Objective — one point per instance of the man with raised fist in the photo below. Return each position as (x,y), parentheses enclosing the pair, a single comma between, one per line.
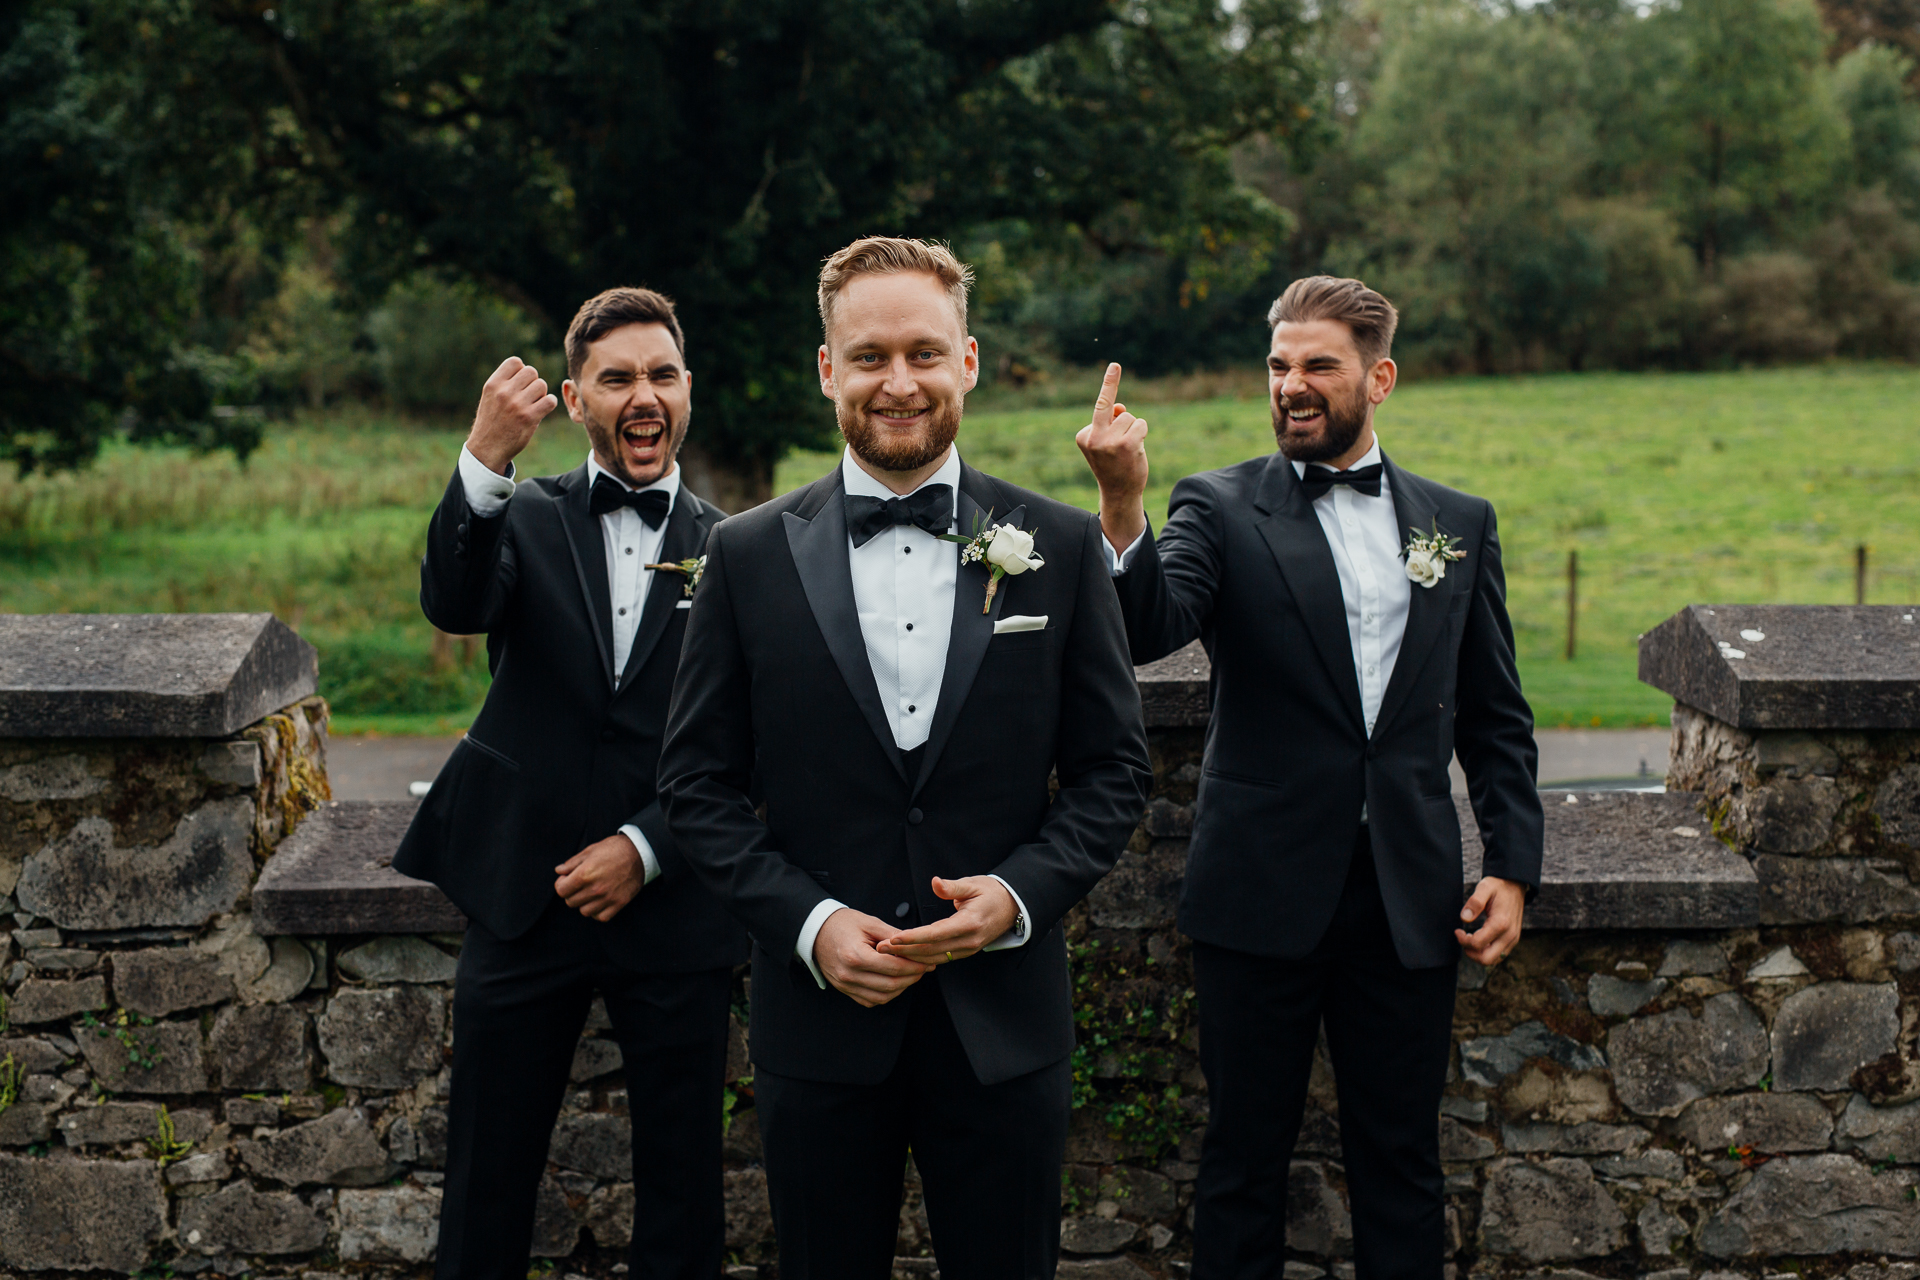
(544,827)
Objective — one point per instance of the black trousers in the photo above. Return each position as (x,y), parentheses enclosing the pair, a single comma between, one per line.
(519,1008)
(1389,1029)
(989,1158)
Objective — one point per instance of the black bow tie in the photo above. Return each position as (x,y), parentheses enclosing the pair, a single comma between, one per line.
(609,494)
(1362,480)
(931,508)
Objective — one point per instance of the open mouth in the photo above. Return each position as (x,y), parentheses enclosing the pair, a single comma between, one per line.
(900,415)
(1306,414)
(644,438)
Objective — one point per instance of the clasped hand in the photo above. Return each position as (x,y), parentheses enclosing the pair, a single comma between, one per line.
(871,962)
(601,879)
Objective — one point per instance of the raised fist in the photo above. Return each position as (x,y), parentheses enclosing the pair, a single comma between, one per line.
(512,405)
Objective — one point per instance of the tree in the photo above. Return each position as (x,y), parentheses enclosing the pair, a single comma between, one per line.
(718,149)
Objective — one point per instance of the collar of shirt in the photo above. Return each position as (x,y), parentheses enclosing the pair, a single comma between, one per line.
(670,482)
(860,484)
(1367,459)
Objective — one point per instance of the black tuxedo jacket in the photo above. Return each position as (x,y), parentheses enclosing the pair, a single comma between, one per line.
(561,755)
(775,685)
(1244,564)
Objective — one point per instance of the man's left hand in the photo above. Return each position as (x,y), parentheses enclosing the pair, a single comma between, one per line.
(602,878)
(1502,902)
(982,911)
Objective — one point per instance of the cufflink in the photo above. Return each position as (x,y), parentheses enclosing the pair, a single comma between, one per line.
(1020,923)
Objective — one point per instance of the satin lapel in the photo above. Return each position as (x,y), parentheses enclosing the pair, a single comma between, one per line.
(819,548)
(681,542)
(972,629)
(589,562)
(1299,546)
(1414,509)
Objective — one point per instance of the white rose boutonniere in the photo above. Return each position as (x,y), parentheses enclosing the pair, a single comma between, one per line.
(1428,555)
(1002,548)
(689,571)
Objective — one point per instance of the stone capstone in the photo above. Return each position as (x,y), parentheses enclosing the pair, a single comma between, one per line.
(1666,1060)
(1611,997)
(1491,1059)
(239,1220)
(55,1000)
(1792,815)
(1553,1211)
(595,1143)
(85,880)
(53,778)
(397,959)
(147,675)
(79,1215)
(163,980)
(1317,1218)
(262,1047)
(393,1224)
(1767,1122)
(1879,1133)
(334,874)
(1897,805)
(382,1038)
(339,1148)
(1800,1205)
(162,1058)
(1824,1033)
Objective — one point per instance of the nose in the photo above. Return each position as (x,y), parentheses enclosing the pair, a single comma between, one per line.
(900,383)
(1292,384)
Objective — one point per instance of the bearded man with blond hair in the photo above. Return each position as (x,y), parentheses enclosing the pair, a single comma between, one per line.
(901,701)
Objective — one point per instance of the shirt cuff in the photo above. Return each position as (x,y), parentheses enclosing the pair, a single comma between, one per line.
(1022,926)
(647,857)
(811,931)
(487,490)
(1117,562)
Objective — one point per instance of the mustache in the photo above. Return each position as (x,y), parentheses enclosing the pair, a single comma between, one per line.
(1309,400)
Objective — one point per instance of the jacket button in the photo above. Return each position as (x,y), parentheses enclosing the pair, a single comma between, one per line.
(900,912)
(914,816)
(608,735)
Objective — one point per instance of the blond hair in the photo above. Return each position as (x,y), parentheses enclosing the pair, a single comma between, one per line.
(1368,316)
(887,255)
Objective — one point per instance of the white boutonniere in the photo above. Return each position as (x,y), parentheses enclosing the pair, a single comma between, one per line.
(1003,548)
(689,570)
(1428,554)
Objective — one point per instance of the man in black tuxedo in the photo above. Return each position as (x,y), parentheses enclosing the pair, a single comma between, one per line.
(906,885)
(1324,876)
(544,826)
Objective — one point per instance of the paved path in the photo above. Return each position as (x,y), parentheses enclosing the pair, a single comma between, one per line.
(382,768)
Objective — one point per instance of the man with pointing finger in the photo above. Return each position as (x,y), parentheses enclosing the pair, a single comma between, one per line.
(544,826)
(1355,614)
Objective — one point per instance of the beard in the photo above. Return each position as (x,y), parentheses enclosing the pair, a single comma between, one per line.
(1341,429)
(889,451)
(608,446)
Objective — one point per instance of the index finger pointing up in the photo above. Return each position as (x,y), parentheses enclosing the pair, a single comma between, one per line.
(1109,391)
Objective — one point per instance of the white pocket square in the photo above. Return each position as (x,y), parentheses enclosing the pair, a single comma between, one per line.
(684,604)
(1019,622)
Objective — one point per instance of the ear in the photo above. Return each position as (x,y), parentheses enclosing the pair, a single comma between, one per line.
(827,388)
(571,394)
(970,366)
(1381,379)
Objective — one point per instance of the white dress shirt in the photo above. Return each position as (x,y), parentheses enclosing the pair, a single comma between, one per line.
(904,580)
(630,545)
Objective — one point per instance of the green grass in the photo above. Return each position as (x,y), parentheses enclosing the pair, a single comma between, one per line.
(1737,487)
(1750,487)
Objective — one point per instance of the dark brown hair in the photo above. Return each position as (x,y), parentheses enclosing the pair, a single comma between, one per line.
(885,255)
(604,312)
(1368,316)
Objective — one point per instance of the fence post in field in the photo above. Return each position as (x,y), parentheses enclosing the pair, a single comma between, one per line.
(1860,574)
(1573,600)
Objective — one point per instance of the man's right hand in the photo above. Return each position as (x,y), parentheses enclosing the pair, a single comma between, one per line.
(512,405)
(1115,445)
(844,950)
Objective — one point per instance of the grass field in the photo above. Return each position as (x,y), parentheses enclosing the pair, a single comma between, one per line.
(1673,488)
